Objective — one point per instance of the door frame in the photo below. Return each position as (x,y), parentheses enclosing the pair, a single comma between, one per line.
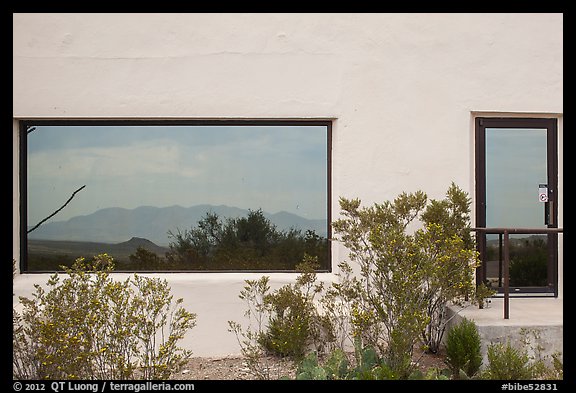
(551,124)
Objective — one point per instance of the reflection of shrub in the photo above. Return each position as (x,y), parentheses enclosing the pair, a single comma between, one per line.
(250,242)
(528,260)
(39,262)
(529,271)
(144,259)
(528,264)
(89,326)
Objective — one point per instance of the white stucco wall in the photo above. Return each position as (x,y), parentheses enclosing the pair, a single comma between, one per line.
(402,91)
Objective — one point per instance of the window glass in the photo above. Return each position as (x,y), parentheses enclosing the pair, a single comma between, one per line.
(195,196)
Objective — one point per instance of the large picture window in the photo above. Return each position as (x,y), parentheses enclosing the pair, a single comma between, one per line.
(176,195)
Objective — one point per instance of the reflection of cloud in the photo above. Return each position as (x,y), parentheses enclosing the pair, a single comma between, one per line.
(515,164)
(249,167)
(145,158)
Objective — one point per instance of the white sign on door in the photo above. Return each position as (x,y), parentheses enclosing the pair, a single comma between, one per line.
(543,192)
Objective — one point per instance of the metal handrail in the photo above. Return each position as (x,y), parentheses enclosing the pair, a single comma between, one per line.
(506,232)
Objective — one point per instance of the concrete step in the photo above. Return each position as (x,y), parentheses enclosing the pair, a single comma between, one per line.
(538,320)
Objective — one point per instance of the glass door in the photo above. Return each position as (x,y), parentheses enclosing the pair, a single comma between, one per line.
(516,188)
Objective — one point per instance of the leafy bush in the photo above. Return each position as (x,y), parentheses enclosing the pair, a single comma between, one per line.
(290,327)
(285,322)
(295,325)
(89,326)
(396,295)
(507,362)
(463,349)
(292,322)
(523,362)
(406,277)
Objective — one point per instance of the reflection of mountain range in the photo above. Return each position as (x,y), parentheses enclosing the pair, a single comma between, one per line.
(114,224)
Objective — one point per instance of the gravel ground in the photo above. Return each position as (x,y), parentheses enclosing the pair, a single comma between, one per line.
(236,368)
(232,368)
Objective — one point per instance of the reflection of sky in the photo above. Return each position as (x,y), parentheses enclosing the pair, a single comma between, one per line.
(276,168)
(515,166)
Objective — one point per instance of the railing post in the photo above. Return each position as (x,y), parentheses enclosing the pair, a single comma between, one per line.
(500,259)
(506,267)
(506,275)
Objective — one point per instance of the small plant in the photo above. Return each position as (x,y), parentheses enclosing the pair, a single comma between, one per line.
(482,294)
(290,327)
(557,369)
(285,322)
(525,362)
(253,295)
(368,366)
(543,366)
(310,369)
(294,324)
(507,362)
(89,326)
(463,349)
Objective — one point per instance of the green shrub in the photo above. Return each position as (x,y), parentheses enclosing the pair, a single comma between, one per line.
(89,326)
(285,322)
(406,277)
(396,294)
(542,366)
(463,349)
(290,326)
(526,361)
(507,362)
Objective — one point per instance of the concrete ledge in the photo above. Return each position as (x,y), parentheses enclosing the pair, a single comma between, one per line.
(212,296)
(539,320)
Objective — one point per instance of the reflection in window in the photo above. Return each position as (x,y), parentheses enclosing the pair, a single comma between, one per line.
(516,163)
(178,196)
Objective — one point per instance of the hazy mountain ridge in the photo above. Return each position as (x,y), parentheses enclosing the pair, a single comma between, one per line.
(115,224)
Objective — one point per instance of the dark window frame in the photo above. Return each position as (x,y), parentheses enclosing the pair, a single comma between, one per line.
(23,157)
(551,124)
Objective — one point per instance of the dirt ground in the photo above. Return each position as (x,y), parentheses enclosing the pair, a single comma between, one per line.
(236,368)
